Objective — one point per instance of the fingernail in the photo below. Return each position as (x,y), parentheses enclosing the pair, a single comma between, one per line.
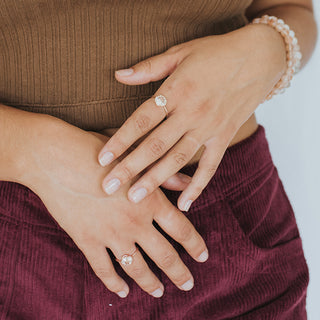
(187,286)
(106,158)
(112,186)
(124,72)
(122,294)
(203,256)
(157,293)
(138,195)
(187,205)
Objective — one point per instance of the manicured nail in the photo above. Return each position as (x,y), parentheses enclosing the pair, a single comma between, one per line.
(187,286)
(112,186)
(122,294)
(138,195)
(203,256)
(157,293)
(187,205)
(106,158)
(124,72)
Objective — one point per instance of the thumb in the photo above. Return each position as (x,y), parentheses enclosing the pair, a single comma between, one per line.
(151,69)
(177,182)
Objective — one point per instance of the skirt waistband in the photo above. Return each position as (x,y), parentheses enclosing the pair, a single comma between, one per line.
(241,163)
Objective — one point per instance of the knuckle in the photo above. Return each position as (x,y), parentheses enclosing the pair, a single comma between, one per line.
(195,144)
(127,172)
(168,260)
(117,141)
(212,170)
(171,85)
(181,278)
(104,273)
(157,146)
(151,182)
(142,123)
(185,231)
(180,158)
(147,65)
(138,272)
(209,171)
(188,87)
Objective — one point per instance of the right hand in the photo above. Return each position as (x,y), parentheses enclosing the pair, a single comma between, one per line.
(63,171)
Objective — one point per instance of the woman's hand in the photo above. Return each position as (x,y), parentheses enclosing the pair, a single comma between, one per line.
(63,171)
(215,83)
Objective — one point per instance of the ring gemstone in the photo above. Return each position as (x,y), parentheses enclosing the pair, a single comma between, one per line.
(126,259)
(160,100)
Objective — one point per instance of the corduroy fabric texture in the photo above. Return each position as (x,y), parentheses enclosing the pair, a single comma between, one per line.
(256,269)
(59,57)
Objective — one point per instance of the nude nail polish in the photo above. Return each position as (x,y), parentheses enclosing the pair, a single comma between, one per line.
(112,186)
(203,256)
(138,194)
(106,158)
(124,72)
(122,294)
(157,293)
(187,205)
(187,285)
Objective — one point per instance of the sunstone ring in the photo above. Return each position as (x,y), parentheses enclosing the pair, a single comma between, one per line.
(161,101)
(127,259)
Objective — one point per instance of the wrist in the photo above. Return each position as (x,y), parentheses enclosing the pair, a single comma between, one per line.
(19,131)
(270,44)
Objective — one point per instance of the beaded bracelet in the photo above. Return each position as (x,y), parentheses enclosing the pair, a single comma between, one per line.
(293,52)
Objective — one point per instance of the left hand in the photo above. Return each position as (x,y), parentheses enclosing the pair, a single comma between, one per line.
(215,83)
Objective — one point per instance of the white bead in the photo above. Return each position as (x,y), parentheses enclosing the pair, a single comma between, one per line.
(293,54)
(291,33)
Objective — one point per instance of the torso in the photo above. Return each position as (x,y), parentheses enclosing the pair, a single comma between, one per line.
(59,57)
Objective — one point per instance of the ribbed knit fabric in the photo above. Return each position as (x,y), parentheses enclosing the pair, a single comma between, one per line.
(256,269)
(59,57)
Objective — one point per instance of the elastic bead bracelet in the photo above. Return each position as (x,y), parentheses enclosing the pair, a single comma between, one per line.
(293,52)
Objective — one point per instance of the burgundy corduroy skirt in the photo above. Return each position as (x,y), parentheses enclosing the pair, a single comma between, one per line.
(256,268)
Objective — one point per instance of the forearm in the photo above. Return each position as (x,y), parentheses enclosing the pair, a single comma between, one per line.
(18,130)
(299,17)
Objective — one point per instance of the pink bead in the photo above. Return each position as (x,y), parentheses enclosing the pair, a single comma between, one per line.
(293,53)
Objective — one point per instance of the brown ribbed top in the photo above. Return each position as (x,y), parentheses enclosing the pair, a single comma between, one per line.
(59,57)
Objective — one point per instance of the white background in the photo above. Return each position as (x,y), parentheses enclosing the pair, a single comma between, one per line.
(292,127)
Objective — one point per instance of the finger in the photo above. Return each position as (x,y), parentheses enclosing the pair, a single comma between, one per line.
(171,163)
(101,264)
(207,167)
(179,227)
(150,149)
(177,182)
(142,120)
(140,272)
(167,259)
(151,69)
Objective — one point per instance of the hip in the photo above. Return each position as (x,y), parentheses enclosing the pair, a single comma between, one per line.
(256,267)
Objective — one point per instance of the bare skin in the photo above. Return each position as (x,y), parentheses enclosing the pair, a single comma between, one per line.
(63,166)
(207,111)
